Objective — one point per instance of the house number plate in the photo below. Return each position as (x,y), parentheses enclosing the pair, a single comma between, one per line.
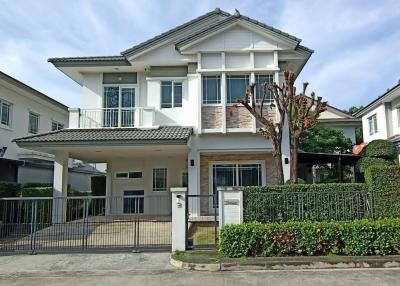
(233,202)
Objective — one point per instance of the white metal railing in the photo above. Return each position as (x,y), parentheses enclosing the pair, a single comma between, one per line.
(113,117)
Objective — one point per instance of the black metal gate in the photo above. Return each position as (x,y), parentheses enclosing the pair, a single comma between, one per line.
(88,224)
(201,221)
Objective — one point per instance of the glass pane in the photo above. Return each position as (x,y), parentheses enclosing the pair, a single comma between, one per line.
(33,123)
(249,174)
(177,94)
(160,179)
(128,97)
(211,90)
(5,113)
(185,179)
(260,81)
(111,94)
(236,87)
(54,126)
(166,94)
(224,176)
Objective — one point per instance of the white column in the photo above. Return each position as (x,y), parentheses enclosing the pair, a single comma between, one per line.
(223,101)
(74,114)
(108,188)
(178,219)
(230,205)
(60,183)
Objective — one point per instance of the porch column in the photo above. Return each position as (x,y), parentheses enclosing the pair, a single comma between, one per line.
(60,183)
(108,188)
(178,229)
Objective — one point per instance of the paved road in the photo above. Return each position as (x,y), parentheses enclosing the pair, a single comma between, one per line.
(153,269)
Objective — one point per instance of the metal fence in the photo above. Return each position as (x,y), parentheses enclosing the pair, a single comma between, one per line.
(309,205)
(85,223)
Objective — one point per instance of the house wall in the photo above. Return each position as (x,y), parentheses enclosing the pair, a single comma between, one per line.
(155,202)
(382,133)
(22,103)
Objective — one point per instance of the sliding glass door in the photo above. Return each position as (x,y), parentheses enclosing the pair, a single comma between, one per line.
(118,106)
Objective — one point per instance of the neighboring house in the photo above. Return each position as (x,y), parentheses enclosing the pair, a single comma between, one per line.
(162,113)
(25,111)
(381,117)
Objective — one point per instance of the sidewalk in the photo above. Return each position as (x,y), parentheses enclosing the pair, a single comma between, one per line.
(84,262)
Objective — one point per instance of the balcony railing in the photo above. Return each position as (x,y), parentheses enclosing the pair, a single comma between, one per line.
(112,117)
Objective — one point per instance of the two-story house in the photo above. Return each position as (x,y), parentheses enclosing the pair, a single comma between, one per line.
(381,117)
(162,114)
(25,111)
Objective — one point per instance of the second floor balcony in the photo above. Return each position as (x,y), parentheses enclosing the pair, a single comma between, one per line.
(138,117)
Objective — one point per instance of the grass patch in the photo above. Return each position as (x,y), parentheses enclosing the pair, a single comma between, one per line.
(204,235)
(198,256)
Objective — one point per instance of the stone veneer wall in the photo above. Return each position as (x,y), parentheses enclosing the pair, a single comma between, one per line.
(271,114)
(211,117)
(238,117)
(204,170)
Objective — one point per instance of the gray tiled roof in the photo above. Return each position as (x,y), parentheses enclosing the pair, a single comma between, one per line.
(165,134)
(88,59)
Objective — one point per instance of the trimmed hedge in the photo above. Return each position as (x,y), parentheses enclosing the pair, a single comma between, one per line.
(8,189)
(384,184)
(381,148)
(366,162)
(361,238)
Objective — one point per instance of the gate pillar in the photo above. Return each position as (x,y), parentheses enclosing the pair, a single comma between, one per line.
(230,205)
(178,230)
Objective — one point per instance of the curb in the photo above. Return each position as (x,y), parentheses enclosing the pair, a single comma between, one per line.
(293,263)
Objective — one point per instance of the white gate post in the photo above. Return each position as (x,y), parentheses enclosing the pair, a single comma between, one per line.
(60,183)
(230,205)
(178,229)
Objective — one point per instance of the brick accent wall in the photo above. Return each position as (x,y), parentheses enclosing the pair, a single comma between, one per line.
(271,114)
(238,117)
(211,117)
(204,170)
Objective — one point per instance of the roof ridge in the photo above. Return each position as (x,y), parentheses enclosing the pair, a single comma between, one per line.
(216,11)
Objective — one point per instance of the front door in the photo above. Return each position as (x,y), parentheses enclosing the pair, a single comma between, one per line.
(119,106)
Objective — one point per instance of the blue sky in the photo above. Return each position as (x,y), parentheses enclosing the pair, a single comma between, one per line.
(356,43)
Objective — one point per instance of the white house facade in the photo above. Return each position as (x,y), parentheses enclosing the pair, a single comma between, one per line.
(162,113)
(25,111)
(381,117)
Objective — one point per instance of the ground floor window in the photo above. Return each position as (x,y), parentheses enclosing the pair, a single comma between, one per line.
(160,179)
(133,202)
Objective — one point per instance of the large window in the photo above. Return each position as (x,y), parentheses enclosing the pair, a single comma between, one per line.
(236,86)
(5,113)
(56,126)
(118,104)
(160,179)
(33,126)
(261,80)
(171,94)
(373,124)
(211,89)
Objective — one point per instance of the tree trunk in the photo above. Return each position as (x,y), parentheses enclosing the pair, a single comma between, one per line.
(294,146)
(278,165)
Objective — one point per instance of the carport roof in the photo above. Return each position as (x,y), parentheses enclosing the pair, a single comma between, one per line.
(126,136)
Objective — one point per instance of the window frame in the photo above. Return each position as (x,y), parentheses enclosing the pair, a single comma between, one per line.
(219,94)
(58,125)
(173,83)
(29,122)
(128,175)
(154,178)
(120,87)
(256,77)
(183,174)
(374,120)
(10,108)
(228,76)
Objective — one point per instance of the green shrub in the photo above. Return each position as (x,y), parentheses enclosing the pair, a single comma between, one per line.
(365,162)
(305,202)
(380,148)
(98,185)
(384,184)
(299,181)
(38,185)
(8,189)
(363,237)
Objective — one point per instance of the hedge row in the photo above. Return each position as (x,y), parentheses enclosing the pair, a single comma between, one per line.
(8,189)
(306,202)
(362,237)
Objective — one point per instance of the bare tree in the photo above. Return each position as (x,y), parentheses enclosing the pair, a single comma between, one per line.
(302,114)
(271,130)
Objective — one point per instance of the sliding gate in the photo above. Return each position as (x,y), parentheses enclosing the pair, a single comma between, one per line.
(131,223)
(201,221)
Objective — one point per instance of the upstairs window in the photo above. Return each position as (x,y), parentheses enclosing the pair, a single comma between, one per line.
(236,86)
(160,179)
(171,94)
(5,113)
(261,79)
(33,126)
(373,124)
(56,126)
(212,89)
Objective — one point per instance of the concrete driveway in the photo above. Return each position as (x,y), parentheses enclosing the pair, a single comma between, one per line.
(153,269)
